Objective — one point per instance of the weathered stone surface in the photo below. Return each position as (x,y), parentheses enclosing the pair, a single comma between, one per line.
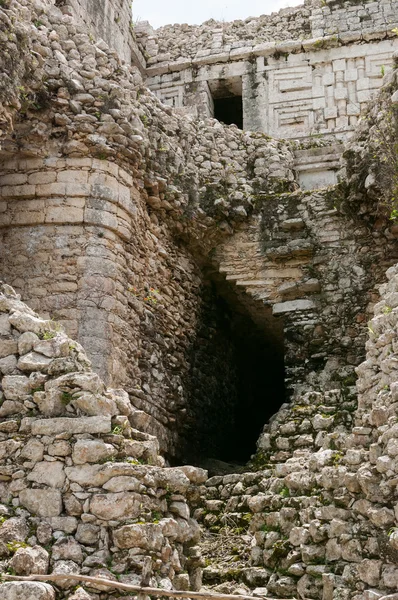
(27,561)
(116,506)
(14,530)
(72,425)
(16,387)
(67,549)
(77,233)
(42,502)
(48,473)
(94,404)
(148,537)
(33,361)
(26,590)
(92,451)
(33,450)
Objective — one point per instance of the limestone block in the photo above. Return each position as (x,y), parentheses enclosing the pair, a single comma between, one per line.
(64,214)
(33,451)
(87,533)
(92,451)
(8,448)
(353,110)
(42,502)
(16,387)
(331,112)
(364,96)
(27,561)
(48,473)
(54,347)
(116,506)
(389,577)
(67,548)
(341,94)
(66,567)
(172,479)
(33,361)
(94,404)
(42,177)
(298,536)
(66,524)
(148,536)
(89,382)
(14,529)
(26,341)
(71,425)
(26,590)
(291,306)
(180,509)
(26,322)
(18,191)
(339,64)
(8,347)
(5,325)
(124,484)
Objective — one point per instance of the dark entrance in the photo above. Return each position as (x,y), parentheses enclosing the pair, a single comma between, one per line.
(237,377)
(227,100)
(229,110)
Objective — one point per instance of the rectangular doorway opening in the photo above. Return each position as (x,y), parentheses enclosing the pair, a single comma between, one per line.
(227,99)
(229,111)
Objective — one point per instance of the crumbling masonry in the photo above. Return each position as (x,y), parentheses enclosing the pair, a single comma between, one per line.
(219,277)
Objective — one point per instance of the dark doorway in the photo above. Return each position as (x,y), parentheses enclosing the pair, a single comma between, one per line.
(229,110)
(236,379)
(227,100)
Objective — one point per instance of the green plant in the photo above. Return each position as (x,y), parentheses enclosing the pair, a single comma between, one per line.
(285,492)
(387,310)
(39,388)
(152,296)
(48,335)
(337,458)
(135,461)
(117,430)
(13,546)
(156,516)
(66,397)
(107,459)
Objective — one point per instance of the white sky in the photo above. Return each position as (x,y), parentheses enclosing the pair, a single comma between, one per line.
(163,12)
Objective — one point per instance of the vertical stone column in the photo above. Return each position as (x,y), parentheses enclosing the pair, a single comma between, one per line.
(63,228)
(255,98)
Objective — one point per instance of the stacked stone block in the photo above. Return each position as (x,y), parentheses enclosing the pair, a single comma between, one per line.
(83,490)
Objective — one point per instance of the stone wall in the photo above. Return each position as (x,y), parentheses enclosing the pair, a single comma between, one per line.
(320,523)
(110,20)
(83,489)
(114,274)
(350,20)
(305,85)
(117,214)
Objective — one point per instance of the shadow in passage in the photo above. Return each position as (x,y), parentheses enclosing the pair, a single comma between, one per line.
(236,379)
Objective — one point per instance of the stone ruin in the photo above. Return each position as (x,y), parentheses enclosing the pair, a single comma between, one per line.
(202,222)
